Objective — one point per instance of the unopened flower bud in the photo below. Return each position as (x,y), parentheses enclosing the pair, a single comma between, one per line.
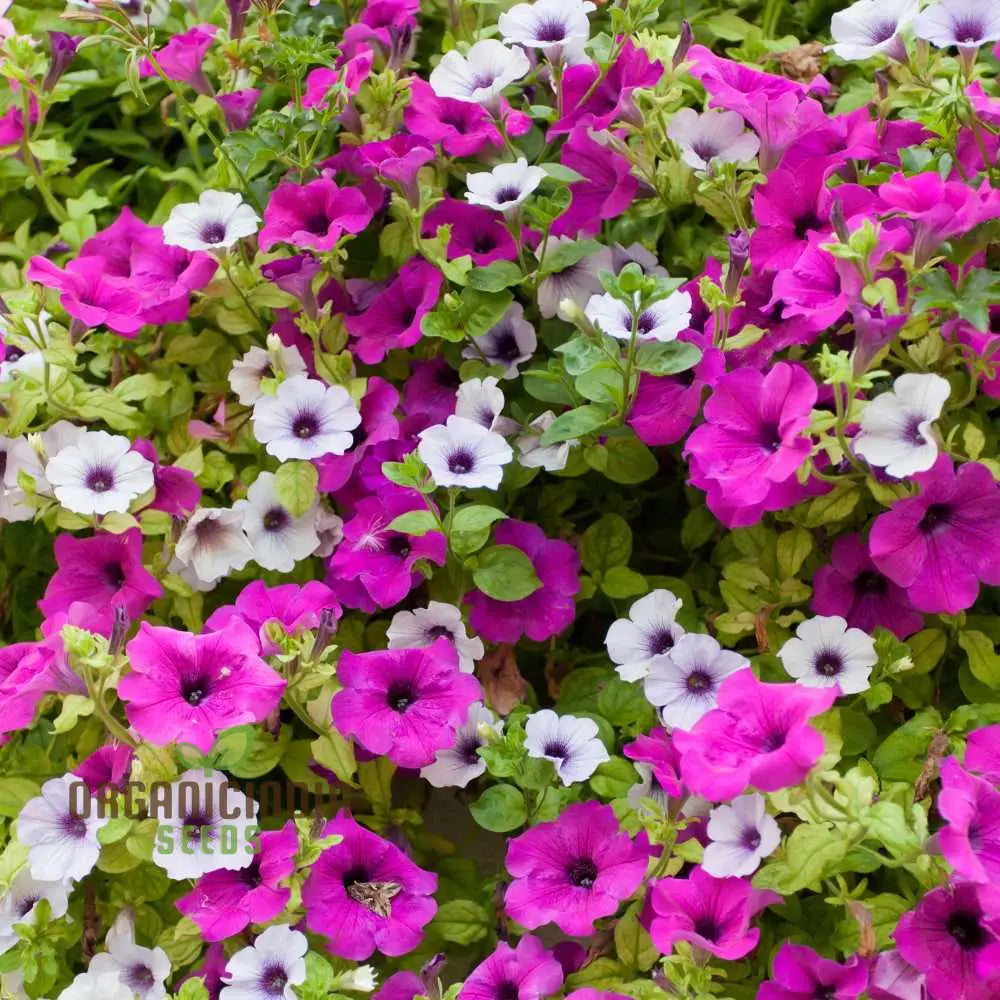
(683,43)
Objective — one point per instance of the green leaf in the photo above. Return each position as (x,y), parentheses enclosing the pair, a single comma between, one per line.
(295,486)
(811,853)
(500,809)
(566,255)
(792,548)
(983,659)
(624,460)
(575,423)
(414,522)
(461,921)
(633,944)
(614,778)
(505,573)
(620,582)
(14,793)
(606,543)
(668,358)
(475,517)
(903,753)
(496,277)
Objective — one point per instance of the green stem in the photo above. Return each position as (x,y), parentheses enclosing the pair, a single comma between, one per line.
(56,210)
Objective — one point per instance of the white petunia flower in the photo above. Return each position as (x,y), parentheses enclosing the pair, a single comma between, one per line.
(269,968)
(480,76)
(462,453)
(560,28)
(216,221)
(306,419)
(213,544)
(826,652)
(60,829)
(661,321)
(571,744)
(204,824)
(713,135)
(577,281)
(99,475)
(87,986)
(142,970)
(481,400)
(247,374)
(505,186)
(965,23)
(459,764)
(28,363)
(896,432)
(742,834)
(510,343)
(17,455)
(424,626)
(20,902)
(872,27)
(534,455)
(651,629)
(278,539)
(684,683)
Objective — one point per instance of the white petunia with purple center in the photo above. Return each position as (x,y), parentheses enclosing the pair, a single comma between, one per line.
(460,763)
(650,631)
(480,75)
(712,135)
(741,835)
(570,743)
(278,539)
(216,221)
(825,652)
(462,453)
(872,27)
(269,969)
(662,320)
(505,186)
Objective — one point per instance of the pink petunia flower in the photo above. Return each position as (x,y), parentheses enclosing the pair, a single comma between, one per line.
(548,610)
(237,107)
(970,842)
(982,752)
(527,972)
(313,215)
(223,903)
(186,688)
(475,230)
(404,703)
(941,544)
(851,586)
(105,571)
(574,870)
(182,57)
(711,913)
(177,491)
(365,895)
(107,767)
(758,736)
(801,974)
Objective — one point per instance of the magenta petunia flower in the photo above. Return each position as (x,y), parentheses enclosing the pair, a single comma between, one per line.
(941,544)
(475,230)
(313,215)
(952,937)
(574,870)
(393,319)
(431,391)
(982,752)
(107,766)
(801,974)
(374,567)
(891,977)
(104,571)
(606,191)
(758,736)
(237,107)
(970,841)
(753,431)
(186,688)
(711,913)
(401,986)
(177,491)
(549,609)
(365,895)
(404,703)
(527,972)
(851,586)
(296,609)
(223,903)
(24,668)
(181,58)
(656,751)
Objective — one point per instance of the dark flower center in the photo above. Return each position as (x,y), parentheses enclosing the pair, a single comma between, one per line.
(400,696)
(555,749)
(275,519)
(967,30)
(447,378)
(704,149)
(305,425)
(882,32)
(935,518)
(505,347)
(707,927)
(750,838)
(870,582)
(550,31)
(407,316)
(461,462)
(353,876)
(398,545)
(100,479)
(23,907)
(195,690)
(773,741)
(824,992)
(583,873)
(438,632)
(317,224)
(74,826)
(466,750)
(660,641)
(507,991)
(806,223)
(273,980)
(251,876)
(508,193)
(966,930)
(770,437)
(698,682)
(139,977)
(114,575)
(213,232)
(647,322)
(484,243)
(208,530)
(829,663)
(912,434)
